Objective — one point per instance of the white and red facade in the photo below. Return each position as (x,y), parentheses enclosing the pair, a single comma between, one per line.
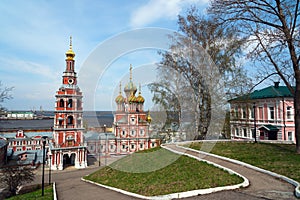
(68,147)
(267,113)
(131,122)
(130,127)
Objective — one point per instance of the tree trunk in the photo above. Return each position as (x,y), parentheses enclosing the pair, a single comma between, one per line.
(297,111)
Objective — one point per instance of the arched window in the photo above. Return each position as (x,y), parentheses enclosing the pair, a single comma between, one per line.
(70,103)
(70,120)
(61,103)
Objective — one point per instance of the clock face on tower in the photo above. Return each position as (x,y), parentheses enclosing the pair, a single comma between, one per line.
(70,81)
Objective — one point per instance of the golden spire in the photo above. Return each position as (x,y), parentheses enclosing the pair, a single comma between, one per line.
(140,88)
(70,53)
(70,42)
(130,69)
(120,88)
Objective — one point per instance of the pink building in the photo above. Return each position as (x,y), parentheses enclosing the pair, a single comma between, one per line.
(267,113)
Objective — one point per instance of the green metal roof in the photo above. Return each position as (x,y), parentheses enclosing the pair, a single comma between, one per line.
(268,92)
(269,127)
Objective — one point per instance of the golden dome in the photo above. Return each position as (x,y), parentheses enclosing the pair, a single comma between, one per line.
(120,98)
(140,98)
(132,98)
(148,119)
(70,53)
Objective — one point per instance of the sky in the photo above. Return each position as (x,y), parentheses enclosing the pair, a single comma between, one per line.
(107,37)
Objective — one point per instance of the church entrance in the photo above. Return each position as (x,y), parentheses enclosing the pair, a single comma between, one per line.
(69,160)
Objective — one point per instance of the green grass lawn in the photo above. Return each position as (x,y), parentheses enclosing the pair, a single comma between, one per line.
(278,158)
(48,195)
(159,177)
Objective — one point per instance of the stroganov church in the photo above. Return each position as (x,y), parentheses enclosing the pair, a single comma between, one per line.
(130,126)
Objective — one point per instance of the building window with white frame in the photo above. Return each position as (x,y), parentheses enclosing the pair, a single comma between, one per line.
(245,132)
(236,112)
(237,131)
(290,136)
(244,114)
(289,113)
(271,113)
(251,113)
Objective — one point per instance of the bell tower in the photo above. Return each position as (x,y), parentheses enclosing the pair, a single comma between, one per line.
(68,147)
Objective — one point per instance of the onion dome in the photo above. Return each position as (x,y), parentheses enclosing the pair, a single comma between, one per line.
(140,98)
(130,88)
(120,98)
(70,53)
(148,118)
(132,99)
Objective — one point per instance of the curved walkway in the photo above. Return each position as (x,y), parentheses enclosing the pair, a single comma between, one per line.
(262,186)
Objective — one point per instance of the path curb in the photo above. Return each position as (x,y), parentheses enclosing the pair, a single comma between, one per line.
(54,192)
(289,180)
(181,194)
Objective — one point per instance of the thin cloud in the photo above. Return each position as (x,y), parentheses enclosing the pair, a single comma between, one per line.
(156,10)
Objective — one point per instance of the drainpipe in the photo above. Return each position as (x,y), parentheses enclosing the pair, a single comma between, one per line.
(254,112)
(283,113)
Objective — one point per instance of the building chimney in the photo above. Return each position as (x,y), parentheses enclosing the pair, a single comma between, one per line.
(276,84)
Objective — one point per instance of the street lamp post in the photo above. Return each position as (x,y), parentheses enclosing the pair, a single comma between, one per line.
(99,152)
(106,150)
(43,175)
(50,161)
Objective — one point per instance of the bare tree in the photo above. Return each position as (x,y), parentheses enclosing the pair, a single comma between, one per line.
(4,95)
(14,177)
(272,28)
(201,44)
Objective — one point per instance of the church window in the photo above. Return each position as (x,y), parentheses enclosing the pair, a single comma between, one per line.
(123,132)
(70,120)
(141,146)
(132,120)
(70,103)
(61,103)
(132,146)
(132,132)
(141,132)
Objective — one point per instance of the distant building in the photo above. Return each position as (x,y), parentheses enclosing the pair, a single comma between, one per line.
(20,115)
(267,114)
(24,141)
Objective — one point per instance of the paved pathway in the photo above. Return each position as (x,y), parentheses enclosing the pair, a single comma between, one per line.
(262,186)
